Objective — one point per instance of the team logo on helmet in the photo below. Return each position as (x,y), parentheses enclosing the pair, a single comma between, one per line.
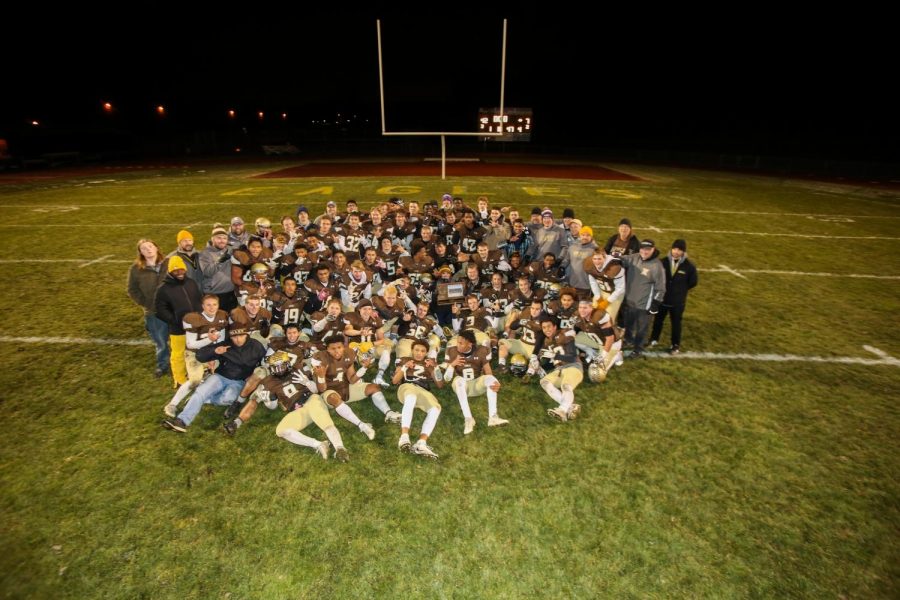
(279,363)
(553,291)
(518,364)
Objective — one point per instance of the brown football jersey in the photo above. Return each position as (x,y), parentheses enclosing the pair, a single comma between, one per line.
(298,351)
(420,374)
(527,328)
(356,322)
(565,315)
(419,329)
(475,360)
(290,395)
(289,309)
(337,372)
(388,312)
(260,322)
(475,319)
(332,329)
(197,323)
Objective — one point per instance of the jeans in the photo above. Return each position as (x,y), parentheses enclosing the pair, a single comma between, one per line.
(217,390)
(159,333)
(637,320)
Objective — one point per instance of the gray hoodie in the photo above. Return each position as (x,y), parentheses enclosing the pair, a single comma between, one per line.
(645,280)
(578,253)
(216,272)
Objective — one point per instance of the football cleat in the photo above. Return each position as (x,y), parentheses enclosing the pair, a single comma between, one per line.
(574,412)
(323,448)
(171,410)
(392,416)
(422,449)
(230,427)
(558,413)
(233,410)
(367,430)
(497,421)
(379,380)
(653,343)
(341,454)
(469,426)
(403,445)
(674,349)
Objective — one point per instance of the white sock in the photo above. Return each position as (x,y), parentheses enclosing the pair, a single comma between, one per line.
(346,412)
(295,437)
(237,422)
(181,393)
(409,405)
(431,420)
(491,396)
(334,436)
(383,361)
(460,389)
(501,360)
(568,397)
(552,391)
(380,403)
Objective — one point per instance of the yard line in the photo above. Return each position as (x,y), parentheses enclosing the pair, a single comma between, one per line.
(884,358)
(9,261)
(726,269)
(759,233)
(96,260)
(75,340)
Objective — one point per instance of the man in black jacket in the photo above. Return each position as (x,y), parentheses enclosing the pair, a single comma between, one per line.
(681,276)
(177,296)
(238,357)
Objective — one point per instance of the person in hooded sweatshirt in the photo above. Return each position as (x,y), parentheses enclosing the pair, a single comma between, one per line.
(681,277)
(645,288)
(177,296)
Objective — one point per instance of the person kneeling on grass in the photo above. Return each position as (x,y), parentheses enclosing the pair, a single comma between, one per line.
(557,356)
(417,375)
(237,357)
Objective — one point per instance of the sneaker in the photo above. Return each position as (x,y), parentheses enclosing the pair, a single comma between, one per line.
(502,369)
(323,448)
(366,428)
(422,449)
(674,349)
(341,454)
(175,425)
(159,373)
(403,444)
(497,421)
(620,360)
(653,343)
(230,427)
(469,426)
(558,413)
(574,412)
(380,381)
(392,416)
(635,354)
(171,410)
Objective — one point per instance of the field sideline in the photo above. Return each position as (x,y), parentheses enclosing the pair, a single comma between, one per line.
(763,462)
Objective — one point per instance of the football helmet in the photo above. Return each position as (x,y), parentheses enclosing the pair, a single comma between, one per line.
(518,364)
(259,272)
(425,279)
(553,291)
(279,363)
(365,351)
(263,223)
(596,372)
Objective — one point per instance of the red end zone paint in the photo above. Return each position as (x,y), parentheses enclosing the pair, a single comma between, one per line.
(468,169)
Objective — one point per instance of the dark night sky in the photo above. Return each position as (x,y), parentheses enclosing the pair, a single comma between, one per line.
(757,79)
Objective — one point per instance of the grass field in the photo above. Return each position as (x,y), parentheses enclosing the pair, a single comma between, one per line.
(689,477)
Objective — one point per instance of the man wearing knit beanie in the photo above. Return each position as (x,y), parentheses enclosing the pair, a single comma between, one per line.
(681,277)
(191,257)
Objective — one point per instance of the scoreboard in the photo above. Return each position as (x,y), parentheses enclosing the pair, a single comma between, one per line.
(515,124)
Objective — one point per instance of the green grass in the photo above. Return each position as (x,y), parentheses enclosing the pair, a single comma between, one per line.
(684,478)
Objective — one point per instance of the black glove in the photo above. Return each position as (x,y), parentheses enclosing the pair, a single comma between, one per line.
(225,257)
(654,307)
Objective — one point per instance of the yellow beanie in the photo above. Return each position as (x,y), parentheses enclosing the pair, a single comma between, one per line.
(586,230)
(184,234)
(175,263)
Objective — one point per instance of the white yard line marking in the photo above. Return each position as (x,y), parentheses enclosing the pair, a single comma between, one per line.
(728,269)
(759,233)
(96,260)
(884,358)
(9,261)
(72,340)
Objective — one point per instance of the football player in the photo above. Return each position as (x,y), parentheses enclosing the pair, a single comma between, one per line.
(595,335)
(415,378)
(607,279)
(200,329)
(528,327)
(256,320)
(364,332)
(557,357)
(338,382)
(475,378)
(418,326)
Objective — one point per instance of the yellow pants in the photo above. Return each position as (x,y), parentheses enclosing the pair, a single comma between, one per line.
(314,411)
(517,347)
(425,400)
(570,376)
(474,387)
(176,359)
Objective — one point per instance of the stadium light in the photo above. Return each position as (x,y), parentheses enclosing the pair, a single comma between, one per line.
(261,115)
(107,107)
(35,123)
(160,110)
(231,114)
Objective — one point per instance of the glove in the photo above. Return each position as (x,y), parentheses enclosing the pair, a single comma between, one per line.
(226,257)
(601,304)
(654,307)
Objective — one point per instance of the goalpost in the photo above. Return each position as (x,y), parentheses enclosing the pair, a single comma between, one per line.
(443,134)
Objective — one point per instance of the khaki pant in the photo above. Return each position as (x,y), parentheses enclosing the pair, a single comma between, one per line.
(314,411)
(425,400)
(474,387)
(518,347)
(570,376)
(357,392)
